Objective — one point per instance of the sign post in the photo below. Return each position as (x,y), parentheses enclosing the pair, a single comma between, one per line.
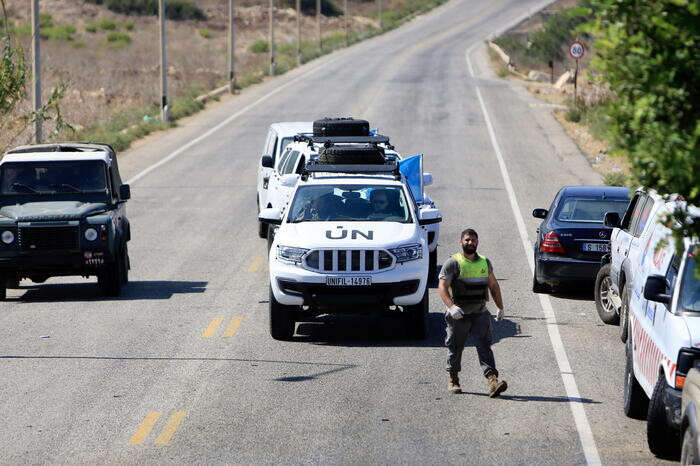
(577,51)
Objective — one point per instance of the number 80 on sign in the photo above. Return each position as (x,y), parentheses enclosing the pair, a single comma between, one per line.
(576,50)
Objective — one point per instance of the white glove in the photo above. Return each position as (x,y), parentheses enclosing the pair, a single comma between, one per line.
(455,312)
(500,314)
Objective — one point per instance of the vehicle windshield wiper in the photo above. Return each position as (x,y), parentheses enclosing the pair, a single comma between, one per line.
(25,186)
(69,186)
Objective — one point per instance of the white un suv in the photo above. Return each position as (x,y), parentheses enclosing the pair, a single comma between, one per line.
(351,240)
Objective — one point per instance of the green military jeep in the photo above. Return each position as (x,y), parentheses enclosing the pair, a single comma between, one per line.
(62,213)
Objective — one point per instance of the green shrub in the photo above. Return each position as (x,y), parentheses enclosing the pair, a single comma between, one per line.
(64,32)
(615,179)
(107,24)
(184,106)
(23,30)
(45,20)
(206,33)
(573,115)
(260,46)
(118,39)
(175,9)
(91,27)
(128,25)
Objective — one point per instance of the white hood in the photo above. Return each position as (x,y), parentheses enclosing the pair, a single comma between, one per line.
(312,235)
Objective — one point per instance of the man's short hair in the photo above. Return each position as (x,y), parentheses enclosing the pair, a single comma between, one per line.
(469,232)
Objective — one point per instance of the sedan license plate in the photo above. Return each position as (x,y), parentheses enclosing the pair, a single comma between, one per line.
(596,247)
(348,281)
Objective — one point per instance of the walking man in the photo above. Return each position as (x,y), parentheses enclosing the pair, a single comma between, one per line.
(465,281)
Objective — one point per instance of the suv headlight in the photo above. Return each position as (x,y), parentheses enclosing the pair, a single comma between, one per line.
(409,252)
(290,254)
(91,234)
(8,237)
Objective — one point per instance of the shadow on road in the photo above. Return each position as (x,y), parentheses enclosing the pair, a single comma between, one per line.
(160,289)
(390,331)
(550,399)
(577,292)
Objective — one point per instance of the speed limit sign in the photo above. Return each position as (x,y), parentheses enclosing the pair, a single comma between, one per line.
(576,50)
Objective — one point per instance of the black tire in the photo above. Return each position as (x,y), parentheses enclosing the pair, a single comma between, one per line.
(624,315)
(270,236)
(432,267)
(688,453)
(110,278)
(12,282)
(538,287)
(340,127)
(281,319)
(262,226)
(362,155)
(603,303)
(125,265)
(3,289)
(418,318)
(635,402)
(663,439)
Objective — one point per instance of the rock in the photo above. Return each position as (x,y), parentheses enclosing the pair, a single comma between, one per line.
(538,76)
(566,77)
(500,52)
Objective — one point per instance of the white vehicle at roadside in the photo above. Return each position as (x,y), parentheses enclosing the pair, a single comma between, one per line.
(351,240)
(663,341)
(279,136)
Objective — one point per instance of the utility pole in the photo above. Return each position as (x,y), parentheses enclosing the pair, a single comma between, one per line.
(318,25)
(298,32)
(36,70)
(381,22)
(345,17)
(165,110)
(272,37)
(231,50)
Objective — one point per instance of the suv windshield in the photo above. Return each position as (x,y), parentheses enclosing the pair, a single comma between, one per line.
(577,209)
(52,177)
(368,203)
(689,299)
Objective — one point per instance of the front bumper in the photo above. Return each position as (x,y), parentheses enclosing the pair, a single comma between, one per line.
(554,270)
(404,285)
(54,263)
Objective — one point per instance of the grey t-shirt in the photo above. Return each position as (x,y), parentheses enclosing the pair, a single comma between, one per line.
(450,271)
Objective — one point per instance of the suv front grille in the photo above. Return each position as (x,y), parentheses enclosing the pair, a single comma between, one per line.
(44,238)
(348,260)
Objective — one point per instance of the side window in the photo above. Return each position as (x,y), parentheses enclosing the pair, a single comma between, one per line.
(300,165)
(283,161)
(273,148)
(114,184)
(627,219)
(672,274)
(636,213)
(643,217)
(288,166)
(110,185)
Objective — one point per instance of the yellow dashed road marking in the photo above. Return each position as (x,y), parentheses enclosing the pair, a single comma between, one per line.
(233,326)
(167,434)
(145,428)
(255,265)
(213,327)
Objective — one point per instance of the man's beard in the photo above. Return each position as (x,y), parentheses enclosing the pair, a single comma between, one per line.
(468,249)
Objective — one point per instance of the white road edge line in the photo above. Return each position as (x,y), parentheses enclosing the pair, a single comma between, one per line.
(228,120)
(580,419)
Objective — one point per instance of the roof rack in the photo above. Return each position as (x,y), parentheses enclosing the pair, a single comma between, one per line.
(391,167)
(330,140)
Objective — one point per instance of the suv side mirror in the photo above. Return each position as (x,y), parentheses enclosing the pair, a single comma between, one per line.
(540,213)
(655,289)
(612,219)
(270,215)
(124,192)
(267,162)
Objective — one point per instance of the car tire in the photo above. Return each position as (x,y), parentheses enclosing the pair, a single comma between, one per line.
(418,317)
(262,226)
(688,453)
(281,320)
(624,315)
(270,236)
(603,302)
(110,278)
(538,287)
(351,156)
(3,289)
(12,282)
(635,402)
(663,440)
(432,266)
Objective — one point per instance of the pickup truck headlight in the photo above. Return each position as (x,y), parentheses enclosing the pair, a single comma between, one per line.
(291,254)
(8,237)
(409,252)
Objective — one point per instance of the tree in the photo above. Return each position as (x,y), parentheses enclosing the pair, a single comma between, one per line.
(649,54)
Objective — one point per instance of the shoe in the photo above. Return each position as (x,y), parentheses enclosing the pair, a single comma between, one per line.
(496,387)
(453,386)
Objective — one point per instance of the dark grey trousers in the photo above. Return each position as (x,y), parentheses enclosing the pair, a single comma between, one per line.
(479,327)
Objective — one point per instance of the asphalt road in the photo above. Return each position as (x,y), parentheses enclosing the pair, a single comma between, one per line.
(181,368)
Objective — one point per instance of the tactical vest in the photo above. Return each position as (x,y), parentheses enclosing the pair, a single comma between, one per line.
(471,287)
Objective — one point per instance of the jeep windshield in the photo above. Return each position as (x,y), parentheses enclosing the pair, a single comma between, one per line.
(689,299)
(32,178)
(354,203)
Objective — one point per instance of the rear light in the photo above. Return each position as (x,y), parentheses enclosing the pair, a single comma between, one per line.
(550,243)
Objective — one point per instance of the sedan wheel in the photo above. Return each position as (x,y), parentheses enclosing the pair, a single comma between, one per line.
(604,297)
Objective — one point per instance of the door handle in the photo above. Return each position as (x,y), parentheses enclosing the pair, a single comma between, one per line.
(266,182)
